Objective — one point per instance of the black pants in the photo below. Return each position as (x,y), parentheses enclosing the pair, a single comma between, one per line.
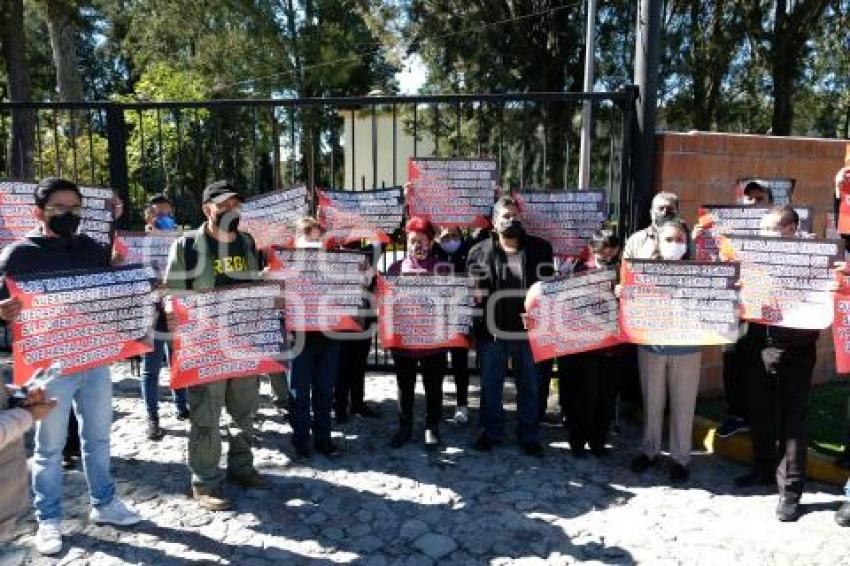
(349,392)
(780,381)
(433,368)
(460,370)
(735,379)
(591,395)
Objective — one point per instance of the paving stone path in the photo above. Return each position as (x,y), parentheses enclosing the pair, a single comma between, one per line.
(378,506)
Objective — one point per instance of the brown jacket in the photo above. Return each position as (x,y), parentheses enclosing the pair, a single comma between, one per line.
(14,423)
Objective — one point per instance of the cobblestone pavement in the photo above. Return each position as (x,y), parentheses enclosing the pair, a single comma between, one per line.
(378,506)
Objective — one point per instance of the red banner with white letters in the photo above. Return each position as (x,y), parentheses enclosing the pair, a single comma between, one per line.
(83,319)
(226,333)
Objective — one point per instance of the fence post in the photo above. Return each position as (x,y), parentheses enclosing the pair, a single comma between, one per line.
(116,139)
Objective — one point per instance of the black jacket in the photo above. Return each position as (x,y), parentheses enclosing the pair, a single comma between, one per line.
(458,259)
(762,335)
(36,254)
(487,265)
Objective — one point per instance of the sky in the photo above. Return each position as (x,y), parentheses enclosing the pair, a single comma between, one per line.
(412,76)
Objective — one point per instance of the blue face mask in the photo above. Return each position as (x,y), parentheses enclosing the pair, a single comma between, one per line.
(450,246)
(165,222)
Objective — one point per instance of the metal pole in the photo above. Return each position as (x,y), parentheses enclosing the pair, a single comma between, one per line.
(116,139)
(646,78)
(587,115)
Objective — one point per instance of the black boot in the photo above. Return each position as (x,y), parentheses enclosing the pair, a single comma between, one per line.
(402,437)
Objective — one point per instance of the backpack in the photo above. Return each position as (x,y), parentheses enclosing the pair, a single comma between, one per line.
(190,254)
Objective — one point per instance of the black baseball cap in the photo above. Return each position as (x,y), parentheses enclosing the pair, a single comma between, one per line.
(219,191)
(756,185)
(160,198)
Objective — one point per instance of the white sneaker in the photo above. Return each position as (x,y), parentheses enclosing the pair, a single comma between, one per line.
(116,512)
(461,415)
(48,539)
(431,438)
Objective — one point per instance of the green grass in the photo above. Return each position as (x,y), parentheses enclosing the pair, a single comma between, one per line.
(828,416)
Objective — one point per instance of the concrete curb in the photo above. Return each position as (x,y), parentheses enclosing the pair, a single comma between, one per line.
(738,448)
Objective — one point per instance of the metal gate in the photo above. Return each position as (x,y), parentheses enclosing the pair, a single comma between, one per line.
(352,143)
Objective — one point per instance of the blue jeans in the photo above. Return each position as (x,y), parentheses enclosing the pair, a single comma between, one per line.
(494,356)
(311,378)
(90,392)
(151,367)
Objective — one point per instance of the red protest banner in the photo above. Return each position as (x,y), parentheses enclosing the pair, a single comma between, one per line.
(422,312)
(842,180)
(323,290)
(841,331)
(452,192)
(147,248)
(786,281)
(572,315)
(98,214)
(270,217)
(226,333)
(679,303)
(566,219)
(355,215)
(17,212)
(84,319)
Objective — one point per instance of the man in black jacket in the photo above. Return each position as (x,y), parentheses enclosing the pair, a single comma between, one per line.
(779,363)
(55,247)
(503,267)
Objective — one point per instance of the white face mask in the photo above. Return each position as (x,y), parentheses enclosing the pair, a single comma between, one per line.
(672,250)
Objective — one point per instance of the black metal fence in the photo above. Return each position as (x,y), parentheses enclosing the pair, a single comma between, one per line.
(357,143)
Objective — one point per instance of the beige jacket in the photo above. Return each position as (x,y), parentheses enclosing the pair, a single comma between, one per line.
(14,423)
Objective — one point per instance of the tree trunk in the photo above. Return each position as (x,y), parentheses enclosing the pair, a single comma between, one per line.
(784,73)
(23,120)
(60,26)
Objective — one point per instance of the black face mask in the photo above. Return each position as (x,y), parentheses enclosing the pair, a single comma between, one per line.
(511,228)
(227,221)
(64,225)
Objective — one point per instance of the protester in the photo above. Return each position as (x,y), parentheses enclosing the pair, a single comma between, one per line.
(421,259)
(55,247)
(218,255)
(313,371)
(15,421)
(842,515)
(454,249)
(591,388)
(756,193)
(502,268)
(780,362)
(669,370)
(735,376)
(350,389)
(643,244)
(159,217)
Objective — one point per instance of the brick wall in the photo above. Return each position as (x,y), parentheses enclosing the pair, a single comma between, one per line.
(702,168)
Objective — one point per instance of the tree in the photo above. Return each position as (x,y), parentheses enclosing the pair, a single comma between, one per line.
(781,37)
(13,36)
(701,40)
(60,16)
(507,46)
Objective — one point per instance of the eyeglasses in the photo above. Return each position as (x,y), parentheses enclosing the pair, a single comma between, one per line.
(57,209)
